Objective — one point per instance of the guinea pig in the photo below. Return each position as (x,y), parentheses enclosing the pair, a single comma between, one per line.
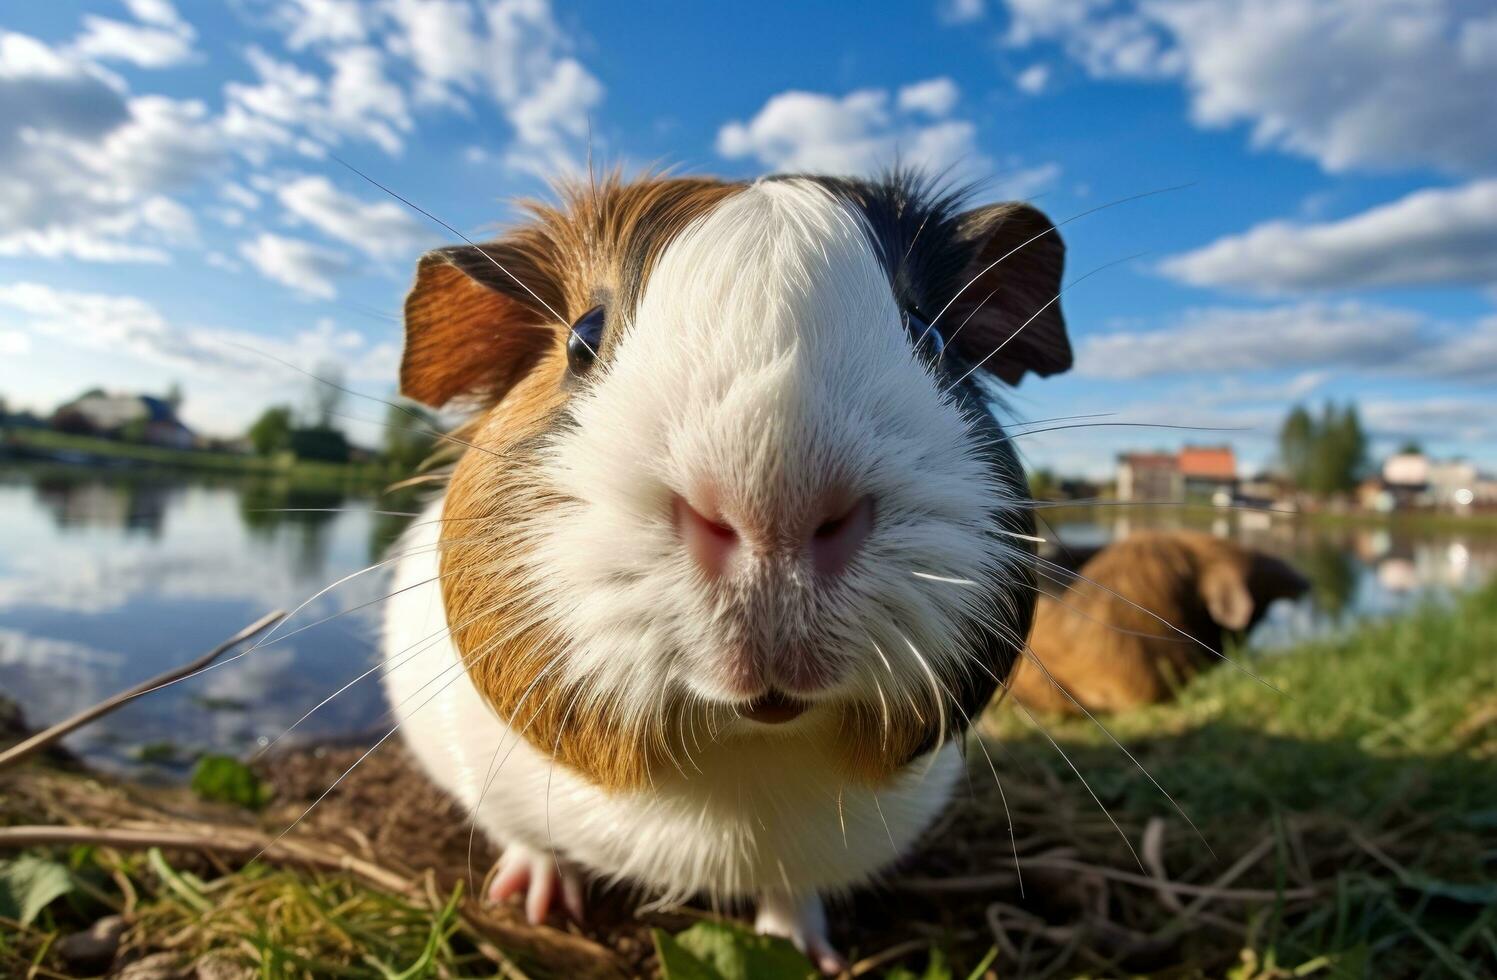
(735,549)
(1145,615)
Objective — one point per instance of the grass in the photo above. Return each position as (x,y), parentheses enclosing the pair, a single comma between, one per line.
(1348,795)
(278,923)
(1370,761)
(165,458)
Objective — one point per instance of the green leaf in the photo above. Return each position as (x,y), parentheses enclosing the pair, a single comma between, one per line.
(733,952)
(185,887)
(676,963)
(28,884)
(936,968)
(1473,893)
(226,779)
(982,967)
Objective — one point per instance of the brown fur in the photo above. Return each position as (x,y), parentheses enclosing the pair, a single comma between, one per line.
(1110,655)
(605,237)
(474,329)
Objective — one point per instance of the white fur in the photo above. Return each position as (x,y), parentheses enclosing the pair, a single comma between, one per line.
(767,357)
(762,816)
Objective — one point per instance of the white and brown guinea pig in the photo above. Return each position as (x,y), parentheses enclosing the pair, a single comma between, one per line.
(736,547)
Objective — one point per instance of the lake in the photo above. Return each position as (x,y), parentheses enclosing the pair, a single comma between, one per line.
(109,577)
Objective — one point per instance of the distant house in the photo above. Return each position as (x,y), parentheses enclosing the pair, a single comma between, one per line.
(1208,471)
(138,418)
(1150,476)
(1453,484)
(1406,471)
(1195,472)
(1415,480)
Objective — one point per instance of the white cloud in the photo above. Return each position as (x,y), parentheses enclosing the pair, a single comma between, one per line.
(304,266)
(1445,236)
(107,39)
(1311,338)
(128,325)
(357,101)
(1033,80)
(857,133)
(1460,354)
(362,99)
(86,169)
(960,11)
(382,229)
(121,235)
(1352,84)
(551,117)
(14,343)
(313,22)
(1218,340)
(158,12)
(440,39)
(935,97)
(219,260)
(511,51)
(1445,420)
(239,195)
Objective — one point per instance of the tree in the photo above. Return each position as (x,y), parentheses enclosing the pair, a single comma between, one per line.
(174,397)
(1043,484)
(1297,445)
(1350,449)
(271,432)
(325,395)
(410,434)
(1324,455)
(322,443)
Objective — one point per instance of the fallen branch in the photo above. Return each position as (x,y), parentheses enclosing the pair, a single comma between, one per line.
(42,739)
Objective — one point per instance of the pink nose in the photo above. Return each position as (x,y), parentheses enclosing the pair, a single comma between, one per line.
(830,543)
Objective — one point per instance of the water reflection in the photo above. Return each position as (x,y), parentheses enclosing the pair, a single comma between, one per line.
(1355,572)
(78,498)
(108,578)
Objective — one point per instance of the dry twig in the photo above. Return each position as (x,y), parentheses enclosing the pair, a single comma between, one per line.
(42,739)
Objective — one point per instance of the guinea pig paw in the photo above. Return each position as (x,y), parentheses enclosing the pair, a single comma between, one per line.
(541,876)
(803,922)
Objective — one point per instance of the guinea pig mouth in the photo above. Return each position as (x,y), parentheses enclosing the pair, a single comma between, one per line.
(773,708)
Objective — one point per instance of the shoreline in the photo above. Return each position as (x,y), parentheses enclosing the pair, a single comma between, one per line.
(1342,817)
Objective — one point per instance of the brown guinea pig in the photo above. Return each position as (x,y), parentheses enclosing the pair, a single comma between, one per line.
(1107,644)
(736,546)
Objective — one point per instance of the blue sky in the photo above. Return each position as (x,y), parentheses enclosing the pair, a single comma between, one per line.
(169,197)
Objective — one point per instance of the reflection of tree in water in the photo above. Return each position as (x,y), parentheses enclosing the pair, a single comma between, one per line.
(77,498)
(308,512)
(1333,575)
(387,527)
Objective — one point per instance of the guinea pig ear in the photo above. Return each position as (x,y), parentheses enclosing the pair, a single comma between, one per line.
(475,323)
(1014,273)
(1224,589)
(1273,578)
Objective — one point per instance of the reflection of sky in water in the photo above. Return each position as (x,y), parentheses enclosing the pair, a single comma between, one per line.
(1355,573)
(108,579)
(105,582)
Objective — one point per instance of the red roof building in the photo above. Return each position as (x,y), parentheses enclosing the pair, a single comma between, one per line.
(1194,472)
(1208,463)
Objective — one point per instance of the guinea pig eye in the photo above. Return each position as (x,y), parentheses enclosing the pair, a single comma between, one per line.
(585,339)
(929,343)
